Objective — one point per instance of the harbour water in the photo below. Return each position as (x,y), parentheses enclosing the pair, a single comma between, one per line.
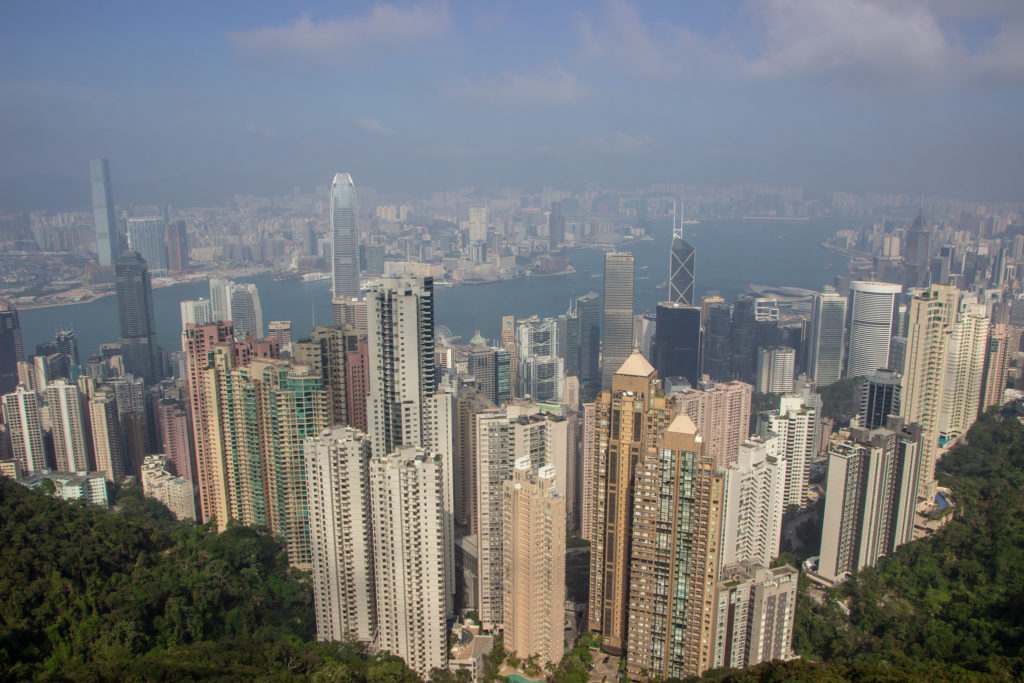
(730,255)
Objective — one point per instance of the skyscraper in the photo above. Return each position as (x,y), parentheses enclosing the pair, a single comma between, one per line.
(828,332)
(104,220)
(196,311)
(617,335)
(583,342)
(795,423)
(879,398)
(533,559)
(997,358)
(11,351)
(721,411)
(106,434)
(872,497)
(556,226)
(541,365)
(873,305)
(176,239)
(677,341)
(220,299)
(754,612)
(197,342)
(480,364)
(21,414)
(502,436)
(172,418)
(754,503)
(135,310)
(588,479)
(932,317)
(69,429)
(400,313)
(325,352)
(669,628)
(259,414)
(718,342)
(477,224)
(508,342)
(341,540)
(246,312)
(681,267)
(744,339)
(775,369)
(965,371)
(406,503)
(629,417)
(147,236)
(344,237)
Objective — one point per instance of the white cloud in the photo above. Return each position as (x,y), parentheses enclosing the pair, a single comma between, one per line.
(1003,56)
(852,38)
(619,143)
(554,85)
(383,26)
(873,42)
(374,126)
(656,50)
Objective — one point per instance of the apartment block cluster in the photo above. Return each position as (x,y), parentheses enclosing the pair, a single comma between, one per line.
(420,480)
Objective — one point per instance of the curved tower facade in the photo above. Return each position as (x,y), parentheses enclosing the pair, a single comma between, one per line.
(344,239)
(873,305)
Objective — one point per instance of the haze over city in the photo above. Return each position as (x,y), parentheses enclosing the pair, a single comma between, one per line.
(583,342)
(193,102)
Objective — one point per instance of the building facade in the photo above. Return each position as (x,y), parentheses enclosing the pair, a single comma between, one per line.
(344,238)
(533,563)
(617,332)
(341,535)
(873,305)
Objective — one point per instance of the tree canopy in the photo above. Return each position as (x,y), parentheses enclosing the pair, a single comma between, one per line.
(955,599)
(91,594)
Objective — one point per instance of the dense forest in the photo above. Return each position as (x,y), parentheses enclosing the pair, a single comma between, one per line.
(954,600)
(132,595)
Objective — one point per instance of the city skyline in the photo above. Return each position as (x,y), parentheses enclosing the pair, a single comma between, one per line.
(502,401)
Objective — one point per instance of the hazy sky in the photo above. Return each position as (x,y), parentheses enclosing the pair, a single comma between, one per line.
(904,95)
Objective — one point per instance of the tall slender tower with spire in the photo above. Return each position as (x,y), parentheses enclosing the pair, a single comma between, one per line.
(681,262)
(344,238)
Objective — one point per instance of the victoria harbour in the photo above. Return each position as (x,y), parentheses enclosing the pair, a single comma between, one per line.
(731,253)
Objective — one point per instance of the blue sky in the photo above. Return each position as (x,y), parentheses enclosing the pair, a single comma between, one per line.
(904,95)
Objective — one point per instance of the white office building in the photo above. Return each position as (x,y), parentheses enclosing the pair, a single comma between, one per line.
(873,307)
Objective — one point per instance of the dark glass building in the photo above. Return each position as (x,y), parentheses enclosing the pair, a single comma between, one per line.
(677,341)
(718,342)
(879,397)
(744,339)
(11,351)
(583,342)
(135,310)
